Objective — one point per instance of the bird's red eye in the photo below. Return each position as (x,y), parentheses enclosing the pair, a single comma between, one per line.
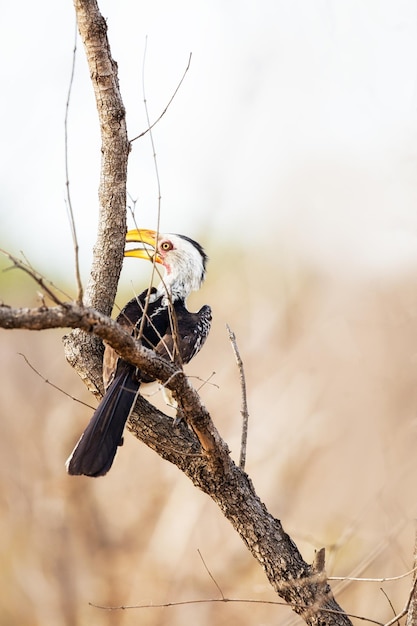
(166,246)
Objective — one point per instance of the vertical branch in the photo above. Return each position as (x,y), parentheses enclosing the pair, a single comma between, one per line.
(82,351)
(109,246)
(67,183)
(244,410)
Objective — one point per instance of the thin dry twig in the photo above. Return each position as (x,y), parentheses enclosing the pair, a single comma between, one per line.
(407,606)
(205,381)
(125,607)
(37,277)
(51,384)
(389,602)
(158,183)
(150,126)
(67,183)
(374,580)
(211,575)
(244,411)
(176,357)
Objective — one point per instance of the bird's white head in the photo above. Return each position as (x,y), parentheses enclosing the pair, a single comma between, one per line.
(183,258)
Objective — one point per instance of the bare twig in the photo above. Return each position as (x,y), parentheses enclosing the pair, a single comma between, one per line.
(37,277)
(205,381)
(67,183)
(244,410)
(176,357)
(374,580)
(211,575)
(124,607)
(48,382)
(389,602)
(150,126)
(27,267)
(407,606)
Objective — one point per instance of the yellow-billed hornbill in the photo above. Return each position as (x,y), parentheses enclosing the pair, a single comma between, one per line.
(160,320)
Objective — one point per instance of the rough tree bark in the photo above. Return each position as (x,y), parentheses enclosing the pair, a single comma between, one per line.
(84,352)
(196,449)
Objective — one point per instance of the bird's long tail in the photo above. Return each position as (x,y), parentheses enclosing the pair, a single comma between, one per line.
(94,453)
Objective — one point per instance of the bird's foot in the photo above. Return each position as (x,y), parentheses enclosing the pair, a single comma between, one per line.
(180,417)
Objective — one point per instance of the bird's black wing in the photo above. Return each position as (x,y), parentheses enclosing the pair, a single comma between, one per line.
(192,331)
(94,453)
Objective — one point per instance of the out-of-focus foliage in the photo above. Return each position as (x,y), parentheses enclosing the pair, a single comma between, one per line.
(331,373)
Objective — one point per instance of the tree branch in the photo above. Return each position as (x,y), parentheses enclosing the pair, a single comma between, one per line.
(244,410)
(90,321)
(84,352)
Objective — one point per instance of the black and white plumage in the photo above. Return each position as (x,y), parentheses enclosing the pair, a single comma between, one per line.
(150,317)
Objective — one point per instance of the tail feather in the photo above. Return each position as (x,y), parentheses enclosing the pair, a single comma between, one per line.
(94,453)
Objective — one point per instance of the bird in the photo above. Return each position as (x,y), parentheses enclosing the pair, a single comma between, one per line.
(160,320)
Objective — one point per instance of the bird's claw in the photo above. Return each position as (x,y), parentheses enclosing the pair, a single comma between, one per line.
(179,417)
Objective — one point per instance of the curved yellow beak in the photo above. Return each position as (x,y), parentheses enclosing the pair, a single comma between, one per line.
(146,237)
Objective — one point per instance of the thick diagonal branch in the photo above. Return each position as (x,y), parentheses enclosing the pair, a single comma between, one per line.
(95,323)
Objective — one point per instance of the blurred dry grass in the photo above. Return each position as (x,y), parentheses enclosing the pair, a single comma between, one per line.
(331,371)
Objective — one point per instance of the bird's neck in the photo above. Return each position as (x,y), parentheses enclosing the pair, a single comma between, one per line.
(172,290)
(178,282)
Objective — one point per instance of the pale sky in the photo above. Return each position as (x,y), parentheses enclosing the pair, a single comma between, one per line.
(296,125)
